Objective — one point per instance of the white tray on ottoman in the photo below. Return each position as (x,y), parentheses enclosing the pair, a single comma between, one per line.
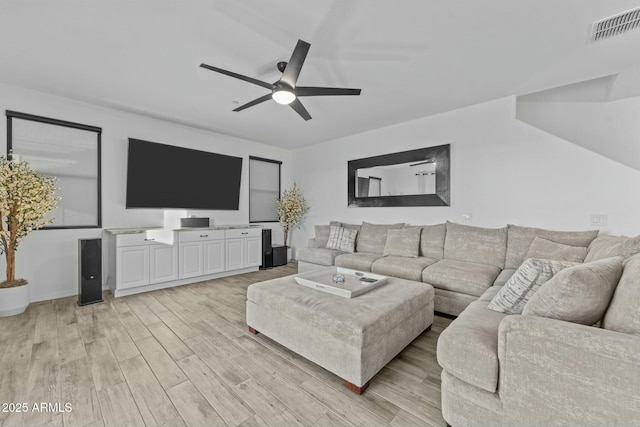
(352,338)
(351,287)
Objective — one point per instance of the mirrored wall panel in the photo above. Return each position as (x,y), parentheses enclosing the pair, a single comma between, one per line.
(409,178)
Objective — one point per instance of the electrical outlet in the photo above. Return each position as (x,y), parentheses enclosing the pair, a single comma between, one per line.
(467,218)
(599,219)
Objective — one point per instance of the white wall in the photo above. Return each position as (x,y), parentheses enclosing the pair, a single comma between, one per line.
(48,258)
(502,171)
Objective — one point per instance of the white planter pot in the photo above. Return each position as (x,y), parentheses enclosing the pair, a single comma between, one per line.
(289,253)
(14,300)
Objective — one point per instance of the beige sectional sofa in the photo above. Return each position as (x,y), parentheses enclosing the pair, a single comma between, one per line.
(525,370)
(460,261)
(513,369)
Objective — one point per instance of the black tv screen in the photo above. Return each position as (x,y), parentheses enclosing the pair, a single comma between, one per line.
(166,176)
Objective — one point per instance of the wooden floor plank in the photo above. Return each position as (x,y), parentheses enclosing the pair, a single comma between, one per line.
(77,388)
(171,343)
(162,365)
(103,364)
(193,407)
(154,405)
(118,406)
(223,399)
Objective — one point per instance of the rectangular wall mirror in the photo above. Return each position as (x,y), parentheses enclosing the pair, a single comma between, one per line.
(70,152)
(409,178)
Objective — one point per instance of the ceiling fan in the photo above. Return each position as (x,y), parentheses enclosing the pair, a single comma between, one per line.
(285,91)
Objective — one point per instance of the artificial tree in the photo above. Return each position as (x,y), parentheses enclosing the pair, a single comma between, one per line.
(292,207)
(25,198)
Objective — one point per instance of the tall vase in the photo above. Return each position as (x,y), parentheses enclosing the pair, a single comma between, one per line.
(289,253)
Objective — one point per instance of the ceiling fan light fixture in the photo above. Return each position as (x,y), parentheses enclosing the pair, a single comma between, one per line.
(283,96)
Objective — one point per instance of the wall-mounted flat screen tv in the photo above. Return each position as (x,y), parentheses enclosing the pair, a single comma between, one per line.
(166,176)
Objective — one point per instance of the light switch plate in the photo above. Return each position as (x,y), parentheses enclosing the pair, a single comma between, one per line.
(599,219)
(467,218)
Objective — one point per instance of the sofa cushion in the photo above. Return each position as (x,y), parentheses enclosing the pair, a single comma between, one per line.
(322,235)
(432,240)
(373,237)
(578,294)
(342,239)
(490,293)
(623,314)
(459,276)
(609,246)
(358,261)
(504,276)
(468,347)
(405,268)
(519,240)
(519,289)
(320,256)
(546,249)
(404,242)
(476,244)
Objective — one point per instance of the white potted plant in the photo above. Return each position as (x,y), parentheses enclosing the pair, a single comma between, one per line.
(292,207)
(25,198)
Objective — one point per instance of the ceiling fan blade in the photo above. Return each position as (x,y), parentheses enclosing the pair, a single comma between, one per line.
(238,76)
(297,105)
(324,91)
(254,102)
(292,70)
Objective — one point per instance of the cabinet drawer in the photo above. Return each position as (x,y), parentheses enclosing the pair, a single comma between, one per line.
(137,239)
(197,235)
(243,232)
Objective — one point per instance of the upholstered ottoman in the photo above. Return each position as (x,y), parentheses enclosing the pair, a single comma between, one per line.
(352,338)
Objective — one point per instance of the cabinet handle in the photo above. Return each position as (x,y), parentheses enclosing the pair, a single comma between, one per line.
(204,235)
(244,233)
(148,240)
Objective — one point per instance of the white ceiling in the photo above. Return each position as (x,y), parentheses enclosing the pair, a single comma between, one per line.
(412,58)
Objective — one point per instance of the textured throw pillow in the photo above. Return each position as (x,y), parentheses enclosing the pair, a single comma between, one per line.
(623,314)
(520,287)
(342,239)
(403,242)
(578,294)
(372,237)
(322,235)
(608,246)
(546,249)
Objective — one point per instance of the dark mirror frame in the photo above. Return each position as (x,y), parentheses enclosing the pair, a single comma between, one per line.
(440,154)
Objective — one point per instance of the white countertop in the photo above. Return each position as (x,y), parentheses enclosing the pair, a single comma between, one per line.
(136,230)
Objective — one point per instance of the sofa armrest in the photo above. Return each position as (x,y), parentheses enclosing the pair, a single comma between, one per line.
(555,373)
(313,243)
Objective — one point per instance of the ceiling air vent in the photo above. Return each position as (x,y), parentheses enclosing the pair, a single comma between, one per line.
(616,25)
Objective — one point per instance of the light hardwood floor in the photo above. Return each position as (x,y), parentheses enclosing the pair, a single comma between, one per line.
(183,356)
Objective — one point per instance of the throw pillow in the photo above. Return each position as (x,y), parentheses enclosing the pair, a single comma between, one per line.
(546,249)
(524,283)
(403,242)
(342,239)
(608,246)
(322,235)
(578,294)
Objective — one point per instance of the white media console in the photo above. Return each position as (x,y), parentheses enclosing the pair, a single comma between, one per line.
(144,259)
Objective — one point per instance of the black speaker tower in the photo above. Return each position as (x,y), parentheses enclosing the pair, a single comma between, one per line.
(267,253)
(89,271)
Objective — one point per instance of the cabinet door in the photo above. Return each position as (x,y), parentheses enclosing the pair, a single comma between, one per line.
(132,266)
(163,265)
(235,254)
(213,256)
(190,259)
(254,251)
